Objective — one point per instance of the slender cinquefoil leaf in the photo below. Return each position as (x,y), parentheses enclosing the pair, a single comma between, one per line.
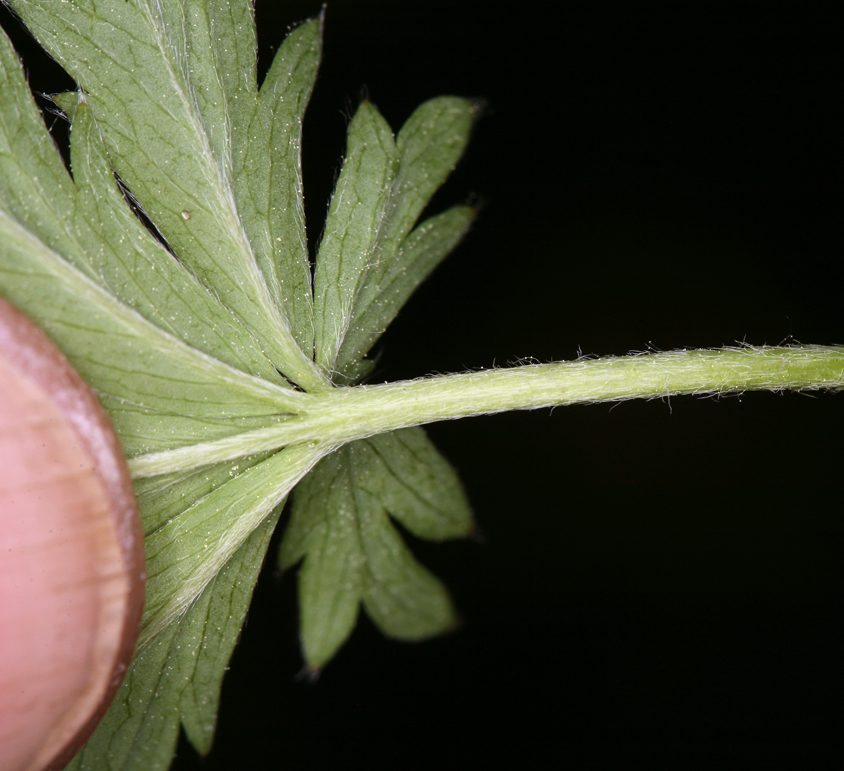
(416,484)
(429,144)
(352,553)
(173,366)
(76,261)
(114,347)
(192,329)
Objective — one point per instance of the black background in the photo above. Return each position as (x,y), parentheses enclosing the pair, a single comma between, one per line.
(653,175)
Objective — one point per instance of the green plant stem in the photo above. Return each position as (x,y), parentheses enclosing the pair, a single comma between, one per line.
(345,414)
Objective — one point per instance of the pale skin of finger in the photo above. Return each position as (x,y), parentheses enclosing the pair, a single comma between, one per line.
(71,558)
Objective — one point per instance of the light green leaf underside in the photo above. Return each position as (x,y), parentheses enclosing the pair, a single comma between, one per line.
(154,81)
(116,350)
(76,260)
(383,188)
(136,269)
(268,178)
(416,484)
(177,678)
(351,230)
(163,498)
(185,552)
(353,554)
(80,265)
(429,145)
(379,302)
(143,431)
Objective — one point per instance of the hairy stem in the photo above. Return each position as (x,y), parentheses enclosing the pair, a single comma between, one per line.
(345,414)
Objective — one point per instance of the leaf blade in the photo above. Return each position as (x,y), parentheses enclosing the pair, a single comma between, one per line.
(157,141)
(351,229)
(268,178)
(429,144)
(378,303)
(177,677)
(118,350)
(426,150)
(417,485)
(404,600)
(80,246)
(185,553)
(352,554)
(139,271)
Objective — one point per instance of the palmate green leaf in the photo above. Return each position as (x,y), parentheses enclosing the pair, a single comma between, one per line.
(177,674)
(115,348)
(353,554)
(194,336)
(366,254)
(76,261)
(136,269)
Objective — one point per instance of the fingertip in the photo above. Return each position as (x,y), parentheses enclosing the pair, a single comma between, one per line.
(72,567)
